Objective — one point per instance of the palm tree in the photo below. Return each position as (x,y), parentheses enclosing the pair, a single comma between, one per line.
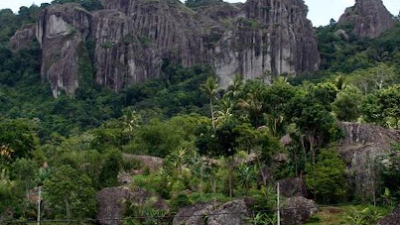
(254,107)
(225,111)
(130,121)
(210,88)
(235,88)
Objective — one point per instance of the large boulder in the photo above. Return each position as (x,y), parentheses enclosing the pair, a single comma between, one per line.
(297,210)
(233,213)
(292,187)
(369,17)
(112,203)
(392,219)
(362,145)
(193,214)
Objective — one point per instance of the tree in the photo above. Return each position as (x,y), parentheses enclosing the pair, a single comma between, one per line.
(389,101)
(17,138)
(373,79)
(210,88)
(111,167)
(313,120)
(327,179)
(70,194)
(277,99)
(347,104)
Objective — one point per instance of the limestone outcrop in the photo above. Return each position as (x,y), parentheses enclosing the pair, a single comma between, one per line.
(23,38)
(268,38)
(369,17)
(61,32)
(129,40)
(362,145)
(119,56)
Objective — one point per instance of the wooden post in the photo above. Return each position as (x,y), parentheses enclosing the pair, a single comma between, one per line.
(278,209)
(39,203)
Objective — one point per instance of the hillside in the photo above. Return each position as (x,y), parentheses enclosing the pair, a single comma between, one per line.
(161,112)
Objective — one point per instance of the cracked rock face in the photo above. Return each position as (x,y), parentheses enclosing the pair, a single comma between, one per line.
(119,57)
(61,32)
(130,39)
(363,144)
(23,38)
(297,210)
(233,213)
(269,36)
(369,17)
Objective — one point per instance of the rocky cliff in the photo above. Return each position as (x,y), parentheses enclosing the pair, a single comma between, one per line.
(369,17)
(132,38)
(364,144)
(271,37)
(62,31)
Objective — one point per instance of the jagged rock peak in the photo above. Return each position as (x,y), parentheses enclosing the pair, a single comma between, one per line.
(269,36)
(369,17)
(23,38)
(61,32)
(129,40)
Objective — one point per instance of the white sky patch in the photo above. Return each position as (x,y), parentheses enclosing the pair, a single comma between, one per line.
(320,11)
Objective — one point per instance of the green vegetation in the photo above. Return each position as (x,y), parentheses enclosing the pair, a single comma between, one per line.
(216,144)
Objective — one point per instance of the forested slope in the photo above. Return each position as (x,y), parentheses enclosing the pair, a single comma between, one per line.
(180,140)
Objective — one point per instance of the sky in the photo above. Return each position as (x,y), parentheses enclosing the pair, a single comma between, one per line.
(320,11)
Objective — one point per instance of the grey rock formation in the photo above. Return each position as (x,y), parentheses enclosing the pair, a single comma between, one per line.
(269,36)
(233,213)
(176,31)
(392,219)
(292,187)
(119,57)
(193,214)
(362,145)
(112,203)
(297,210)
(23,38)
(131,39)
(61,32)
(369,17)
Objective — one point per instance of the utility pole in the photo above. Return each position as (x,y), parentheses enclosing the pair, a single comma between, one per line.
(277,203)
(39,201)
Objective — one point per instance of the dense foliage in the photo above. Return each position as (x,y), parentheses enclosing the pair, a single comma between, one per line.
(215,144)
